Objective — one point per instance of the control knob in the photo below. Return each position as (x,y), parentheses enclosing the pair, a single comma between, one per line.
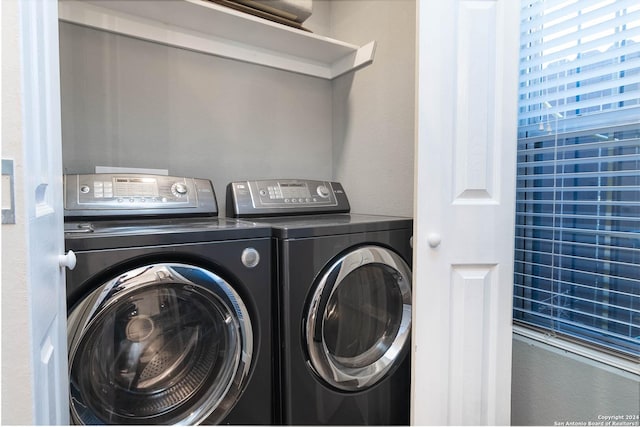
(179,189)
(323,191)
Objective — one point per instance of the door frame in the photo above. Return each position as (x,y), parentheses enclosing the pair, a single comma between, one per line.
(34,373)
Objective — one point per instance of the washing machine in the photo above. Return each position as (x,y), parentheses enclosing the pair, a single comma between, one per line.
(344,284)
(169,306)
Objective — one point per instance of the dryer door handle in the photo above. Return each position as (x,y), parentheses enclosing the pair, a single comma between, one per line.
(68,260)
(320,304)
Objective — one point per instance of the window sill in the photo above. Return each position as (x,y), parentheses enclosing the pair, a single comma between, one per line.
(586,352)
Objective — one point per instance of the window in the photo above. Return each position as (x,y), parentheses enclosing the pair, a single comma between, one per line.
(577,271)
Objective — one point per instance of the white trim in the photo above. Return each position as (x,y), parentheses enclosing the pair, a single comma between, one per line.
(589,353)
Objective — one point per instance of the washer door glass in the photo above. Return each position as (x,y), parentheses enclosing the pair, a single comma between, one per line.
(161,344)
(359,318)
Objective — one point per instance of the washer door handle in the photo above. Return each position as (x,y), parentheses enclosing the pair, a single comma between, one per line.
(68,260)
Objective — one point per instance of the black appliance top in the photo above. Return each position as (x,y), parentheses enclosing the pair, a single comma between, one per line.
(101,234)
(302,226)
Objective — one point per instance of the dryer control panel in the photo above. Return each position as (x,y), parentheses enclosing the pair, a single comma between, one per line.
(276,197)
(113,195)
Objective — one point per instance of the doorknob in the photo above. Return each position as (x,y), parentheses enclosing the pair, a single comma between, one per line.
(434,239)
(68,260)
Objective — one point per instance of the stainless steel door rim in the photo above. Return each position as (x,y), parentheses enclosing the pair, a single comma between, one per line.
(164,343)
(359,318)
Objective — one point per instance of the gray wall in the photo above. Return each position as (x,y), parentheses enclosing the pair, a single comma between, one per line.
(550,385)
(374,110)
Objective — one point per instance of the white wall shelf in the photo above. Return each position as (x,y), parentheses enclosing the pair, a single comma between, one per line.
(207,27)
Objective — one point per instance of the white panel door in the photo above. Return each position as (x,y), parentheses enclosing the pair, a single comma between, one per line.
(43,213)
(465,201)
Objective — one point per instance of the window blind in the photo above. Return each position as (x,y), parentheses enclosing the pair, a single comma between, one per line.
(577,269)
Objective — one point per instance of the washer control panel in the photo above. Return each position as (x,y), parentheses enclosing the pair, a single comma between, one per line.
(136,194)
(284,197)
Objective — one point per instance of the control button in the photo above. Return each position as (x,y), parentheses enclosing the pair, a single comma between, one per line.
(301,200)
(286,200)
(120,200)
(322,191)
(85,189)
(164,200)
(250,257)
(132,200)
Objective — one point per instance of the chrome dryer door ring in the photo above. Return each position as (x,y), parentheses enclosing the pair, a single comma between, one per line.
(358,321)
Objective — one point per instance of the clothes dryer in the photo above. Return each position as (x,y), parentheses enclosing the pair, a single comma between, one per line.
(344,284)
(169,315)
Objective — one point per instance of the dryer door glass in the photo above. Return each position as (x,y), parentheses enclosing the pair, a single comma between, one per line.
(161,344)
(359,318)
